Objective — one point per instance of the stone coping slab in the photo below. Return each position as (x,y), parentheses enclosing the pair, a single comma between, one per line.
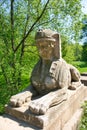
(56,117)
(73,123)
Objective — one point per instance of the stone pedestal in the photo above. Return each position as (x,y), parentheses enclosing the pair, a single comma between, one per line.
(56,117)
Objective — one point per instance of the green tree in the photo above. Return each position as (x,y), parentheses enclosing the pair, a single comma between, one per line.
(78,52)
(70,53)
(18,22)
(84,38)
(84,52)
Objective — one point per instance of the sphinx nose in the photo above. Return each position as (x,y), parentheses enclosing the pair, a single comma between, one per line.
(40,30)
(40,34)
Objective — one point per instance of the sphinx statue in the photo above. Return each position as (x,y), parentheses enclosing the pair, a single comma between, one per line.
(51,76)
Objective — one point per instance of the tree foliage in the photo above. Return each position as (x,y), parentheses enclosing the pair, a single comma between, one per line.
(18,22)
(84,38)
(71,52)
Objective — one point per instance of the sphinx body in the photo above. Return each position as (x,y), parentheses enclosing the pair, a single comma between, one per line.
(51,76)
(57,75)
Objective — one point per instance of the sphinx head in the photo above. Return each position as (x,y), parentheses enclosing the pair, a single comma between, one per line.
(48,43)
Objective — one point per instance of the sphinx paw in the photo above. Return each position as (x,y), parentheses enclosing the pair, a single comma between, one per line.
(38,107)
(19,99)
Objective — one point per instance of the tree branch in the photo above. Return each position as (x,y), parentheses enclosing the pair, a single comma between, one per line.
(2,2)
(4,74)
(45,22)
(38,18)
(12,24)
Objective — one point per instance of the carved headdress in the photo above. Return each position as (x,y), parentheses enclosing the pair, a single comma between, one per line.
(53,37)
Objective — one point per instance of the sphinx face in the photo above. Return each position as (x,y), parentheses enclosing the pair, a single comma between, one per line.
(46,49)
(48,43)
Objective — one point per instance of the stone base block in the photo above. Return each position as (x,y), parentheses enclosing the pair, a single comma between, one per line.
(56,117)
(73,123)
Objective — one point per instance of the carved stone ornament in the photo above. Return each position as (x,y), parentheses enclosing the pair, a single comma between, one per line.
(51,76)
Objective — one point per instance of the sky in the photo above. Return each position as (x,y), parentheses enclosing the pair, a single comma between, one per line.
(84,4)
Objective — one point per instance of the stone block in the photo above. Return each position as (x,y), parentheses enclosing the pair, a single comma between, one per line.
(73,123)
(56,117)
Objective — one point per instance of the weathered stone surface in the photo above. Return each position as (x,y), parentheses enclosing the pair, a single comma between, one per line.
(84,78)
(8,122)
(56,117)
(73,123)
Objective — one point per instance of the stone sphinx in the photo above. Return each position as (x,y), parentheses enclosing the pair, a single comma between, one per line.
(51,76)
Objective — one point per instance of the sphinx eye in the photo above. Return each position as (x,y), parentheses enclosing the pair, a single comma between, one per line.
(51,45)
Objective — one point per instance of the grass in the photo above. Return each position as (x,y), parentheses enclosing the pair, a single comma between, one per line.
(81,66)
(83,123)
